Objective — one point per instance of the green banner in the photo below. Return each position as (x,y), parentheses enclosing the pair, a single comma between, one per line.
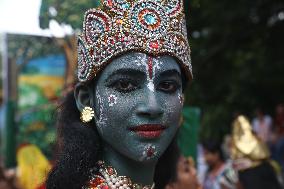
(188,135)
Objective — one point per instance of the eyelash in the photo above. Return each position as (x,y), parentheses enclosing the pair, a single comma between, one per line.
(175,86)
(171,86)
(117,85)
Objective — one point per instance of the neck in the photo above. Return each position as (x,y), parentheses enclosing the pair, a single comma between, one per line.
(138,172)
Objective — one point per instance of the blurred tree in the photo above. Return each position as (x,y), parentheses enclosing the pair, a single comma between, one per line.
(66,12)
(238,59)
(29,47)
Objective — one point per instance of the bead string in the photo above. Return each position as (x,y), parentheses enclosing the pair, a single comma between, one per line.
(109,179)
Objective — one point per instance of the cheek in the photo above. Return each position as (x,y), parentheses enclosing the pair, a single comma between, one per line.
(173,108)
(105,102)
(118,106)
(112,109)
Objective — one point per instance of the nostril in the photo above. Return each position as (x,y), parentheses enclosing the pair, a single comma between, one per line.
(149,112)
(145,114)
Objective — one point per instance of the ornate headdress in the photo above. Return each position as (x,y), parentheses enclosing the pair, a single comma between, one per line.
(155,27)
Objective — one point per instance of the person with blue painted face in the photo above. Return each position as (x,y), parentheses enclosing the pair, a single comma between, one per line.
(118,127)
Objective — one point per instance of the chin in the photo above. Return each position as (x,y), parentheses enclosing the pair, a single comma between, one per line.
(150,154)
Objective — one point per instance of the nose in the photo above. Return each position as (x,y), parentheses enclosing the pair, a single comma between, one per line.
(150,106)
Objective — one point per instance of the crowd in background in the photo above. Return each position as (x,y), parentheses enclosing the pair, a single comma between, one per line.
(219,167)
(218,170)
(271,130)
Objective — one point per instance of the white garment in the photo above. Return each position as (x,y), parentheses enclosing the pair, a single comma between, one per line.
(226,176)
(262,127)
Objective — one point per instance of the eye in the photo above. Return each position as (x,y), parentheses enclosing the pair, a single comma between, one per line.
(168,86)
(124,85)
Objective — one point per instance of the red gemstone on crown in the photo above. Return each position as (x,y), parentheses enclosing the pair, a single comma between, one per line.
(111,40)
(154,44)
(109,2)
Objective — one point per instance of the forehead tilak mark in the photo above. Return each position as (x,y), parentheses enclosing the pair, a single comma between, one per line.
(150,64)
(150,67)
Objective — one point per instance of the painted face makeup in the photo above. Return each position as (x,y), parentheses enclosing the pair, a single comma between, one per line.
(138,104)
(150,65)
(112,100)
(180,97)
(149,152)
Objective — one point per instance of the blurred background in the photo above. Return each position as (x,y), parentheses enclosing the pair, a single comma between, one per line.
(238,65)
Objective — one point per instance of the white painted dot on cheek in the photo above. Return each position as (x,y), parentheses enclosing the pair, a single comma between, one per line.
(112,100)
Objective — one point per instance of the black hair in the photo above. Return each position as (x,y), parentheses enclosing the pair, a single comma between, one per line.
(79,148)
(214,146)
(166,167)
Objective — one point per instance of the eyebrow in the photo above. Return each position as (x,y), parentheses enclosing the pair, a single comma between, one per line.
(126,71)
(168,73)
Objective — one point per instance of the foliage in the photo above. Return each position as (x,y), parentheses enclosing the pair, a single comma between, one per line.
(65,11)
(23,47)
(237,59)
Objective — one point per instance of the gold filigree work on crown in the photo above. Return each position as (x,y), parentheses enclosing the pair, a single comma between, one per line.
(107,178)
(155,27)
(87,114)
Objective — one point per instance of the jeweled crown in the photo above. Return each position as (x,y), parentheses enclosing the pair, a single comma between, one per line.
(155,27)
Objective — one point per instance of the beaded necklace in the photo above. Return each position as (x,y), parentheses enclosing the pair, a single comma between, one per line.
(106,177)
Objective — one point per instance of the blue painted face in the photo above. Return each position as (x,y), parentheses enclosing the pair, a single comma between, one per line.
(138,103)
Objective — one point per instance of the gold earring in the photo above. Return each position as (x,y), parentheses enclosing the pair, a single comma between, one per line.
(87,114)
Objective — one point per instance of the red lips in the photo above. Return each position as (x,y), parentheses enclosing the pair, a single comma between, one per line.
(149,130)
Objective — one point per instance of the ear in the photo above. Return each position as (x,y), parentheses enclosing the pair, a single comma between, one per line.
(83,96)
